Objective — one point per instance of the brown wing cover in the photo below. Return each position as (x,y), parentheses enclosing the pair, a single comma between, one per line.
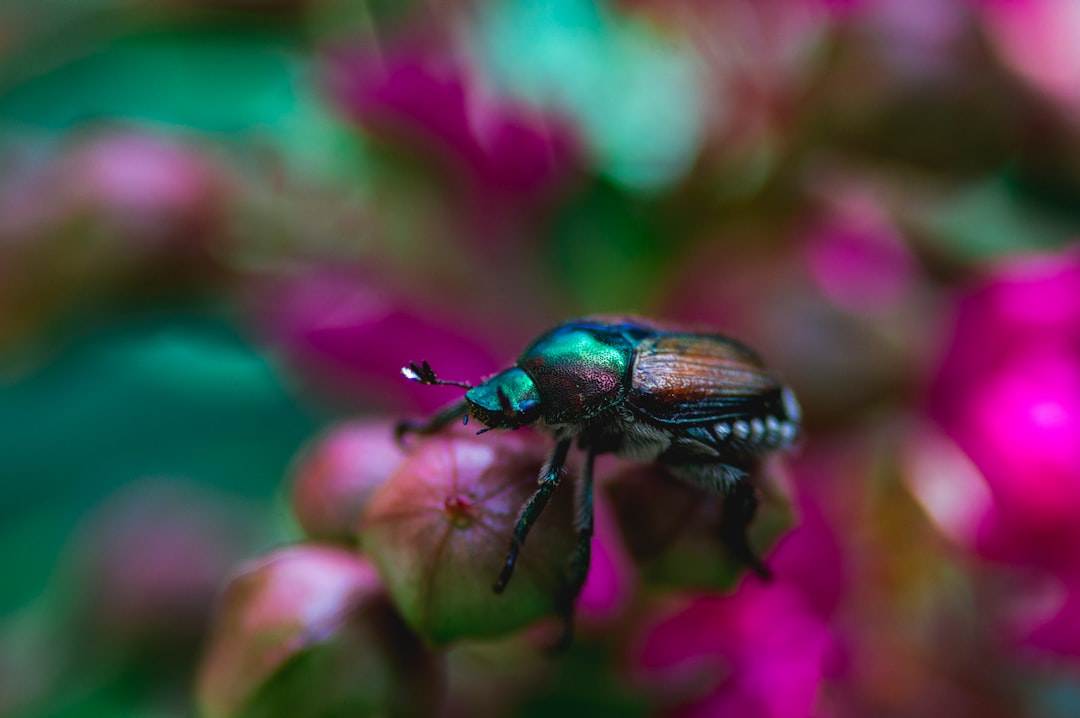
(685,377)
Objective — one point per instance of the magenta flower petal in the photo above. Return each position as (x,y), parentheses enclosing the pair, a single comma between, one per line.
(1008,395)
(1008,392)
(1049,622)
(425,95)
(810,558)
(759,652)
(764,650)
(1028,302)
(1021,431)
(350,337)
(858,260)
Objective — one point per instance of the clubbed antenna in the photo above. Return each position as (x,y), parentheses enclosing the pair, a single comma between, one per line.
(424,374)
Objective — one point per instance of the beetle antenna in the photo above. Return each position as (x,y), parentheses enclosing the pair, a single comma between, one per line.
(424,374)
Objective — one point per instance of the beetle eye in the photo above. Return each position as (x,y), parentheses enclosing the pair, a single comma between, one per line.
(529,405)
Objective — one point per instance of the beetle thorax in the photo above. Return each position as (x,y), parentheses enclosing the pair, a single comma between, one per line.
(579,372)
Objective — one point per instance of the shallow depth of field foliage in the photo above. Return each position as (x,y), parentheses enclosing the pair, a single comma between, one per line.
(225,225)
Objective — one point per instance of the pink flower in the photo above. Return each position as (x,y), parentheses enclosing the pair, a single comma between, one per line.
(350,336)
(917,40)
(816,315)
(765,650)
(152,558)
(1021,429)
(1048,617)
(762,648)
(337,475)
(1025,304)
(309,630)
(425,94)
(145,197)
(1037,39)
(756,56)
(109,212)
(1008,392)
(1008,395)
(857,258)
(141,175)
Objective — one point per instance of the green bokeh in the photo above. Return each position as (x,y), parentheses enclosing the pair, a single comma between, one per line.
(170,393)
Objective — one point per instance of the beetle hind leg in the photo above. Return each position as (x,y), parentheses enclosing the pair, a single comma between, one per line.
(740,506)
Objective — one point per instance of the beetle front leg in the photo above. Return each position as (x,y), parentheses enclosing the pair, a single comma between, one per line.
(441,420)
(548,482)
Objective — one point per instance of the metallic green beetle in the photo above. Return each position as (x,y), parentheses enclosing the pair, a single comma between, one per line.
(701,404)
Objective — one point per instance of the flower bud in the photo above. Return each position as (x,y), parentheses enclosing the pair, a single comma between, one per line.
(151,559)
(308,630)
(337,475)
(440,527)
(672,529)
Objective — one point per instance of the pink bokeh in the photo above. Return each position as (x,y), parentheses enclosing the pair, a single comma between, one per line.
(1008,394)
(424,93)
(765,650)
(349,336)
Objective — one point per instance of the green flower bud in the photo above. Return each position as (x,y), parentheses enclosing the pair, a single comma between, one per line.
(672,529)
(308,630)
(440,527)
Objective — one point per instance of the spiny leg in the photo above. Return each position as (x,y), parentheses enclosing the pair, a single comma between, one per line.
(439,421)
(579,562)
(548,482)
(583,522)
(740,505)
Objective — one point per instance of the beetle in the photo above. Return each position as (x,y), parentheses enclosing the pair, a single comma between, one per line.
(703,405)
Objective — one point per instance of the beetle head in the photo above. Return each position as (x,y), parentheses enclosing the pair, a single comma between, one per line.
(505,401)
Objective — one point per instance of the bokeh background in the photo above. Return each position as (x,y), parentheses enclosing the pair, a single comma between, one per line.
(226,224)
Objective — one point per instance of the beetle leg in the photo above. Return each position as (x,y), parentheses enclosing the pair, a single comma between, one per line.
(442,419)
(579,562)
(740,505)
(548,482)
(583,522)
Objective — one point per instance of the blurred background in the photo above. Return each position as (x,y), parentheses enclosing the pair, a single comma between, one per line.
(226,224)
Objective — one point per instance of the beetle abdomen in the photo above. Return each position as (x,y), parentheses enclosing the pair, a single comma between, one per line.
(692,379)
(770,424)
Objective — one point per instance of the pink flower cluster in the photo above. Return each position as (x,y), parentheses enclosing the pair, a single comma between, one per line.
(765,650)
(1008,394)
(422,94)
